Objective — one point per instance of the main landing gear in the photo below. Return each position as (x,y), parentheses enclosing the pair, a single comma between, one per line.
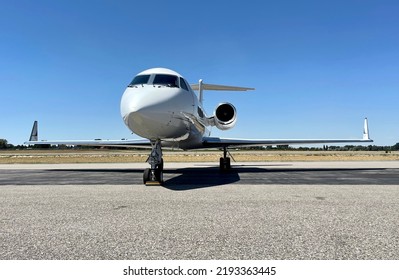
(154,175)
(224,163)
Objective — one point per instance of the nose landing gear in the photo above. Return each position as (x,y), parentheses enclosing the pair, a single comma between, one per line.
(154,175)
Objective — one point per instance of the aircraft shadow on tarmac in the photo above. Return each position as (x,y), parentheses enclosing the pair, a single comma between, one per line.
(174,179)
(203,177)
(181,179)
(189,178)
(199,177)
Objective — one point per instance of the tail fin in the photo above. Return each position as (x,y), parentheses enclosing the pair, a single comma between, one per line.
(34,133)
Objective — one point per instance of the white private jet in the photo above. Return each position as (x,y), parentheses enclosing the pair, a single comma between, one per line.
(160,106)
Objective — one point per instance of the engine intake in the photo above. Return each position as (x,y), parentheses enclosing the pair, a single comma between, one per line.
(225,116)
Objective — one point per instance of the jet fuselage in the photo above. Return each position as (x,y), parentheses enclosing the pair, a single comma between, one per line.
(160,105)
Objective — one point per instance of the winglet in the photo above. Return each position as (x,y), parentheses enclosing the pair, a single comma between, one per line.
(366,135)
(34,133)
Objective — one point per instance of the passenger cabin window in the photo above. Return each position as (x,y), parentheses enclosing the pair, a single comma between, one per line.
(166,80)
(140,80)
(183,84)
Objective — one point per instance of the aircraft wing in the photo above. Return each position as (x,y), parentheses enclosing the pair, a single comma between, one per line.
(215,142)
(129,143)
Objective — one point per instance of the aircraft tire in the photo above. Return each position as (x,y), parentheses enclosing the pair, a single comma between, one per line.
(159,176)
(221,164)
(224,164)
(227,163)
(146,175)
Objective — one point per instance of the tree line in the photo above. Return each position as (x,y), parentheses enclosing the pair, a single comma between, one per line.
(4,145)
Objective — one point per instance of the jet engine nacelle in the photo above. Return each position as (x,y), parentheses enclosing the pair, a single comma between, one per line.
(225,116)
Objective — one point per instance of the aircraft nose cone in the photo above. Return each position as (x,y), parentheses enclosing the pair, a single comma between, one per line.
(145,113)
(155,112)
(135,102)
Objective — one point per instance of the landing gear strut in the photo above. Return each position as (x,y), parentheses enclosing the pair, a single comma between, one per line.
(225,161)
(154,175)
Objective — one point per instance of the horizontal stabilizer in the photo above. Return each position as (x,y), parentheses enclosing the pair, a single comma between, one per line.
(201,86)
(219,87)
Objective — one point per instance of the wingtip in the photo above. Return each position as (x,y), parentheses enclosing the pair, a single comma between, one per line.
(366,134)
(34,133)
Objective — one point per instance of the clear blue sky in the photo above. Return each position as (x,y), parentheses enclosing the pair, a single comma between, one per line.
(319,67)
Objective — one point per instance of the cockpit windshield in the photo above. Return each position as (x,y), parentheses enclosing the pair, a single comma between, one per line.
(166,80)
(140,80)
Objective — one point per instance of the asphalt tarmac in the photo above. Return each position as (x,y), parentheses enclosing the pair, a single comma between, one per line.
(299,210)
